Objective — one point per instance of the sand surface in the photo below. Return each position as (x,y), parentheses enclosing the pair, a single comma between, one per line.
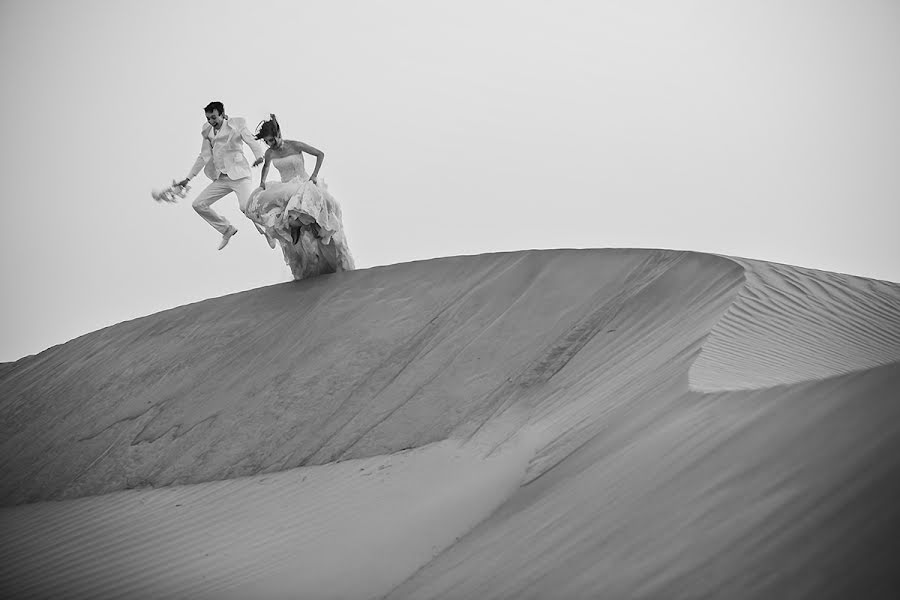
(543,424)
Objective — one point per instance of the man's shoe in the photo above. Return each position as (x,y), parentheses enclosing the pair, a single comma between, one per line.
(226,237)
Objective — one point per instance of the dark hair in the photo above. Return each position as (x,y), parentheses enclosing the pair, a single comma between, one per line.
(268,128)
(215,105)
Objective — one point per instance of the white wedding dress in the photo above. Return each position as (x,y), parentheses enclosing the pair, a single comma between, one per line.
(298,202)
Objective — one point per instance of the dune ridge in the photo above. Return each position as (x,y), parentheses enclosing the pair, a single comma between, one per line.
(790,324)
(387,359)
(692,425)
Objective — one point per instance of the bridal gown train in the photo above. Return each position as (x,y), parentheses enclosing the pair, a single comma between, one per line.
(298,202)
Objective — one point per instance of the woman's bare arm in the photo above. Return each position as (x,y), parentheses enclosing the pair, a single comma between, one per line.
(320,156)
(265,169)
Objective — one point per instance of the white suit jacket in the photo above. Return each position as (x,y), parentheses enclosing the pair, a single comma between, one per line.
(226,149)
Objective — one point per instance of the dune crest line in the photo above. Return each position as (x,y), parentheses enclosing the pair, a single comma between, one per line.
(790,324)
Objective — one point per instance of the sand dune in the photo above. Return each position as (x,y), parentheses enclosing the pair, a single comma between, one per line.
(544,424)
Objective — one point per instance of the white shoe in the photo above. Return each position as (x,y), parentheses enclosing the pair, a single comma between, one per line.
(226,237)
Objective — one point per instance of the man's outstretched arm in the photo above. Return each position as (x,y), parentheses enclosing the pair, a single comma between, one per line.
(254,144)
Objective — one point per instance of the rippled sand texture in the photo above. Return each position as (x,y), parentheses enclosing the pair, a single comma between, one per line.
(544,424)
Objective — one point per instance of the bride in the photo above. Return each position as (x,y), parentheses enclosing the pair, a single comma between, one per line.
(299,212)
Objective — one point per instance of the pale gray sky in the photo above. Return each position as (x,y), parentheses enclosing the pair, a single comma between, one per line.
(764,129)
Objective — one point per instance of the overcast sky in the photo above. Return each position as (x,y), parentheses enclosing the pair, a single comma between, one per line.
(763,129)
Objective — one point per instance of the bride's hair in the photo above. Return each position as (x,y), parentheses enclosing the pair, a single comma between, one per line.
(268,128)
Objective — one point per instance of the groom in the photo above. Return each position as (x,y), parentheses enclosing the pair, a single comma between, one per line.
(222,160)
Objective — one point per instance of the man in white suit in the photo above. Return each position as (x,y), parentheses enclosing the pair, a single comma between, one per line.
(222,160)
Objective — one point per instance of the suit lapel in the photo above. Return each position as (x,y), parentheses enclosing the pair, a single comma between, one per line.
(213,135)
(225,125)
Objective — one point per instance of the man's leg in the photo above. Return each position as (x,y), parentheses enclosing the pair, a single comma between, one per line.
(216,190)
(244,189)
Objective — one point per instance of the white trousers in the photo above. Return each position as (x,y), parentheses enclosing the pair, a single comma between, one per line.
(217,190)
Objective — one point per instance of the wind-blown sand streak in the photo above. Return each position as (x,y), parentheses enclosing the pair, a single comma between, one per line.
(624,423)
